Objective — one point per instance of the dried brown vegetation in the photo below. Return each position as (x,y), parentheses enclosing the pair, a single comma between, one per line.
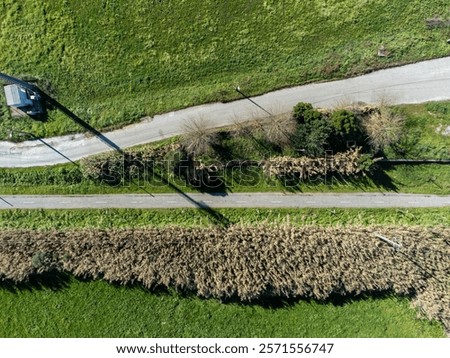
(383,127)
(246,262)
(198,138)
(279,129)
(346,164)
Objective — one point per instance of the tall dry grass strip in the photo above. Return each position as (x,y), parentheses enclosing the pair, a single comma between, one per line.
(246,262)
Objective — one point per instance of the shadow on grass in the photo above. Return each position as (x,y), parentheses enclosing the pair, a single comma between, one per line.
(51,102)
(381,179)
(55,281)
(216,217)
(277,302)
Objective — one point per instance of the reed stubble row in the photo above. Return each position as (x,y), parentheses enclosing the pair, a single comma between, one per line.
(246,262)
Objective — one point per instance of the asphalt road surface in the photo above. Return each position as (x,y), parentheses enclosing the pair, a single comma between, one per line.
(415,83)
(233,200)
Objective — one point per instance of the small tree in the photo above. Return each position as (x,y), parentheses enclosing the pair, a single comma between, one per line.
(344,123)
(279,129)
(346,128)
(313,134)
(198,139)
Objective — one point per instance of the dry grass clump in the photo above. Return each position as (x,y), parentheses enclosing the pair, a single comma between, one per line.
(383,127)
(278,129)
(346,164)
(246,262)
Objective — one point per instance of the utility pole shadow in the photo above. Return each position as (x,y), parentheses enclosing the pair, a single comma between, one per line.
(215,216)
(6,202)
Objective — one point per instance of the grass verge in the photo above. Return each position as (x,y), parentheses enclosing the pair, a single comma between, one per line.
(66,179)
(75,308)
(126,218)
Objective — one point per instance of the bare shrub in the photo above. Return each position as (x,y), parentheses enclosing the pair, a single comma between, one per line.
(242,129)
(359,109)
(383,127)
(198,139)
(278,129)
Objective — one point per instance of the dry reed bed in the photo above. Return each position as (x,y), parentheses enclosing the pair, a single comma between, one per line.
(246,262)
(347,164)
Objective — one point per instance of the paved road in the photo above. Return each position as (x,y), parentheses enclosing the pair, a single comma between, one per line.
(237,200)
(420,82)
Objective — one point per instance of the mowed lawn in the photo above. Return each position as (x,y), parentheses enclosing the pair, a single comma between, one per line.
(98,309)
(113,62)
(142,218)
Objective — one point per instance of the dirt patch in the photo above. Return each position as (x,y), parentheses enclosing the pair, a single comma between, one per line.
(443,130)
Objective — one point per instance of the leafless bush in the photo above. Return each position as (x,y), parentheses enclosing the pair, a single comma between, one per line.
(198,138)
(360,109)
(242,129)
(383,127)
(278,129)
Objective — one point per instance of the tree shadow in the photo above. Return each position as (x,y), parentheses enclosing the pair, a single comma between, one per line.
(294,184)
(381,179)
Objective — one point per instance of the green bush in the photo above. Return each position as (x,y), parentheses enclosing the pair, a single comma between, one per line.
(301,111)
(344,122)
(346,129)
(312,135)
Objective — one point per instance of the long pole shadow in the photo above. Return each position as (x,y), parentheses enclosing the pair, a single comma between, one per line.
(217,218)
(6,202)
(238,90)
(54,149)
(80,122)
(53,102)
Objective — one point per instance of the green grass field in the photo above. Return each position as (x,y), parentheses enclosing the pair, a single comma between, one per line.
(98,309)
(125,218)
(424,136)
(112,62)
(65,179)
